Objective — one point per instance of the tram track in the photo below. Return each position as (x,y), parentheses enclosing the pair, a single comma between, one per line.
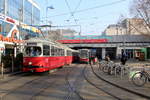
(14,78)
(36,79)
(35,96)
(13,90)
(72,89)
(27,86)
(99,88)
(131,95)
(72,82)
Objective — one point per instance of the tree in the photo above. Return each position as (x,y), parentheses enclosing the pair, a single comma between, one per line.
(121,19)
(59,34)
(141,9)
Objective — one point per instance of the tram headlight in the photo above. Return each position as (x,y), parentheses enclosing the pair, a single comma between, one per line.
(30,63)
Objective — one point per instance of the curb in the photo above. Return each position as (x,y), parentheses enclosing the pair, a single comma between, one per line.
(12,73)
(125,88)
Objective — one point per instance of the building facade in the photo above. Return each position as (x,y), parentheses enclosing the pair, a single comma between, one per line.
(26,11)
(115,30)
(129,26)
(16,20)
(135,26)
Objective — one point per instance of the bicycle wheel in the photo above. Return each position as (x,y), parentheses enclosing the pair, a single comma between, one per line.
(139,79)
(105,69)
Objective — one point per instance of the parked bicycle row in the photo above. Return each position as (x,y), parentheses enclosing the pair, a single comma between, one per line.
(139,75)
(111,67)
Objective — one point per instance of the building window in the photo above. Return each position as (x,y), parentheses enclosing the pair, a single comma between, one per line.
(27,12)
(14,6)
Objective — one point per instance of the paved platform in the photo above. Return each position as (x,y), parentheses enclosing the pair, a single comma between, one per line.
(9,74)
(126,83)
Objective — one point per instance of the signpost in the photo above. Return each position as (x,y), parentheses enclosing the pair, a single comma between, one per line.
(2,47)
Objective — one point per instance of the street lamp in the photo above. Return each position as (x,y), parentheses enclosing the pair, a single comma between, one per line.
(1,63)
(48,7)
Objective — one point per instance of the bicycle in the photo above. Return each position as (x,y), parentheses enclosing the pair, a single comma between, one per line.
(140,78)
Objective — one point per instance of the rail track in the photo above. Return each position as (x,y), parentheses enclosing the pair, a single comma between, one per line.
(120,90)
(14,78)
(72,87)
(17,88)
(98,87)
(31,82)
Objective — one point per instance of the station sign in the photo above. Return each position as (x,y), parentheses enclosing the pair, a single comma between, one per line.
(10,20)
(13,36)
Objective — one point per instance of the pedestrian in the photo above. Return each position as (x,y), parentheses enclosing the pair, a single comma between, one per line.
(107,58)
(123,59)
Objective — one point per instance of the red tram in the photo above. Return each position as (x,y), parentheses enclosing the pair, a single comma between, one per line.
(84,55)
(87,56)
(43,55)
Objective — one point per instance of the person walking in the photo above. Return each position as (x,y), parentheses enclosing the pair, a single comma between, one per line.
(107,58)
(123,59)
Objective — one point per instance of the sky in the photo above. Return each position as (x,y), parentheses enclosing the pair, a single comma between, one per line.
(90,17)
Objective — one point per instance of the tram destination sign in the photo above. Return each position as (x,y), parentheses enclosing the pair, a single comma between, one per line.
(32,44)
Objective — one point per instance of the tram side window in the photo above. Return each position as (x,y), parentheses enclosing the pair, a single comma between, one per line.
(56,51)
(52,51)
(46,50)
(59,52)
(33,51)
(63,52)
(69,53)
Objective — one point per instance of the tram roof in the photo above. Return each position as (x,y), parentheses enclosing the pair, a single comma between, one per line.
(38,40)
(42,40)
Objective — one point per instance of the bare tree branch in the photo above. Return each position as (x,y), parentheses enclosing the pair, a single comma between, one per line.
(141,9)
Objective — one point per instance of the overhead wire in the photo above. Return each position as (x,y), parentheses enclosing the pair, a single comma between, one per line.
(87,9)
(72,14)
(84,10)
(78,5)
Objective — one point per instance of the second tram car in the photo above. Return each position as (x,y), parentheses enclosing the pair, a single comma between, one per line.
(84,55)
(43,55)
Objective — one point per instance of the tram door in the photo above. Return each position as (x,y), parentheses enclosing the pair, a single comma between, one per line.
(9,50)
(8,57)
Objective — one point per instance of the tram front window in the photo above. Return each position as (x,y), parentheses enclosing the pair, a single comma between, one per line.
(84,55)
(33,51)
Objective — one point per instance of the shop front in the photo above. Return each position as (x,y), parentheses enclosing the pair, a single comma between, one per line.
(12,36)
